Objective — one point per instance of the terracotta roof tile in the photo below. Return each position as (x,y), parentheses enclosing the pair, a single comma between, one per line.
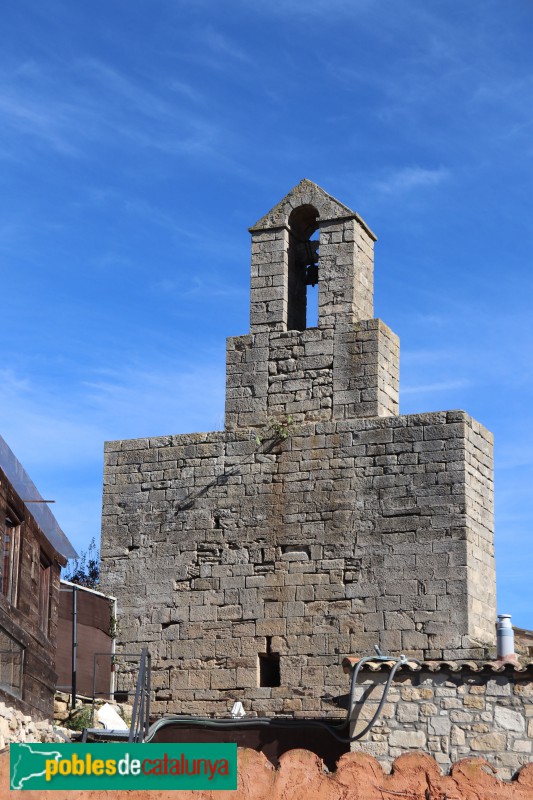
(523,670)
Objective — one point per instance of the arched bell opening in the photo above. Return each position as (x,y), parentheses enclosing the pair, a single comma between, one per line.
(302,306)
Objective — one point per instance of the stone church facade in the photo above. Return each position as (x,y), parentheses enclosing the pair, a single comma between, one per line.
(320,521)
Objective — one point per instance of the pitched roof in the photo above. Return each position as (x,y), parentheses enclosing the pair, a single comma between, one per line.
(307,193)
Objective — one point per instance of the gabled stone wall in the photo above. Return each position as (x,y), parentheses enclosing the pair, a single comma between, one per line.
(319,522)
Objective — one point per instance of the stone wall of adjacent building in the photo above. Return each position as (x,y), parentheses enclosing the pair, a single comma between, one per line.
(319,522)
(523,640)
(452,713)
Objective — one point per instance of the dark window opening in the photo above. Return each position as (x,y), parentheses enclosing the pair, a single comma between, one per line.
(302,308)
(269,666)
(303,551)
(217,524)
(10,557)
(44,593)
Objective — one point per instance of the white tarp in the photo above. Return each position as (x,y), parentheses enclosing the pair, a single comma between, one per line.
(110,719)
(27,491)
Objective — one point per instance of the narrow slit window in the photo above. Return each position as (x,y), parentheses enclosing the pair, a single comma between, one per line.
(269,666)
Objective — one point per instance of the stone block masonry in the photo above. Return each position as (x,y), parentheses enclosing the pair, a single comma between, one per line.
(319,522)
(451,711)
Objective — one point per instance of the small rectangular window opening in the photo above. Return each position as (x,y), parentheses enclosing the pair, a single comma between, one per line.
(269,666)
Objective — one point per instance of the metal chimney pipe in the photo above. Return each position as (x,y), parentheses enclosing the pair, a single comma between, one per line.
(504,637)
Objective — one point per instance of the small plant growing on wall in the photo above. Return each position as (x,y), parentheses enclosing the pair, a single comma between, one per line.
(276,430)
(113,630)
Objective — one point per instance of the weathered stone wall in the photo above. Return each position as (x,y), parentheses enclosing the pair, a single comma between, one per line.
(451,714)
(213,543)
(480,515)
(320,522)
(312,375)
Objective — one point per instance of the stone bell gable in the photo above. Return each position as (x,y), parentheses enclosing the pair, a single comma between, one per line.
(279,243)
(348,366)
(320,521)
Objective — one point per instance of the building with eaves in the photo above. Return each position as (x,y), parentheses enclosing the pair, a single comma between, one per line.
(33,550)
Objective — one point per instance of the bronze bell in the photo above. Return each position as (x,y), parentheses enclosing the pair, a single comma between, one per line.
(311,275)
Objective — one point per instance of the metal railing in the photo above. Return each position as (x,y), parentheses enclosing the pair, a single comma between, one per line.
(140,718)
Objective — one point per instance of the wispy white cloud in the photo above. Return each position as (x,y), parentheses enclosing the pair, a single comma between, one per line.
(73,422)
(12,384)
(410,178)
(315,8)
(432,320)
(99,104)
(438,356)
(197,237)
(509,100)
(223,45)
(438,386)
(186,90)
(516,452)
(58,433)
(202,285)
(138,402)
(35,118)
(35,423)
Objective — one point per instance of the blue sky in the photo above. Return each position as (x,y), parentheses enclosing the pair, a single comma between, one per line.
(140,138)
